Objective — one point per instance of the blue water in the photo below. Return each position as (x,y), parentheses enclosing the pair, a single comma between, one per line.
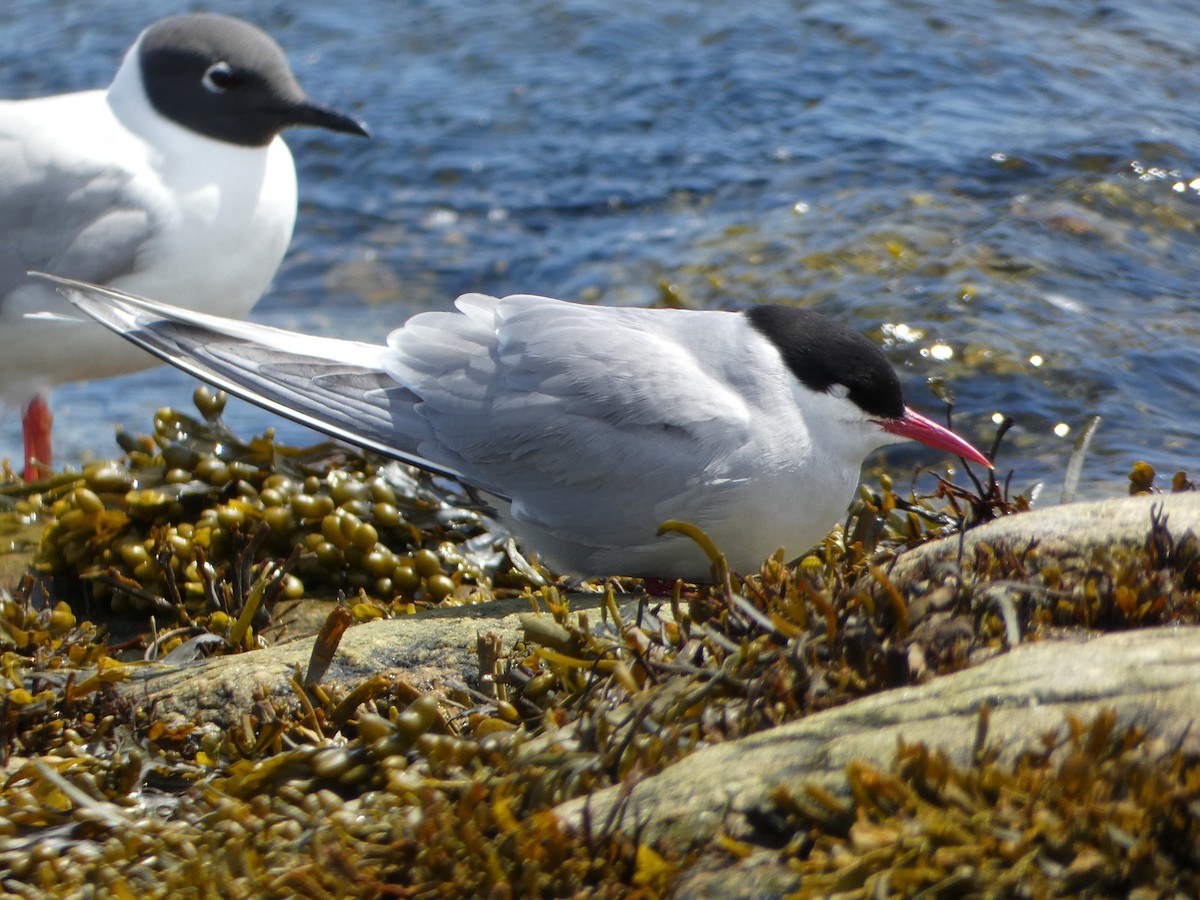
(1000,192)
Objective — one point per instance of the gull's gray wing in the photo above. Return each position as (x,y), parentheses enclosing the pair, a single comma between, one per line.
(60,211)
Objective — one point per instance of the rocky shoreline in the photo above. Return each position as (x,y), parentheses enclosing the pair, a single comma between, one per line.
(675,745)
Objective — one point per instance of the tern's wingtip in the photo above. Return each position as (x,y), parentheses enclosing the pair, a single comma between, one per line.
(60,280)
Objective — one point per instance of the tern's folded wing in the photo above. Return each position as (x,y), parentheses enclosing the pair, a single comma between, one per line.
(581,414)
(331,385)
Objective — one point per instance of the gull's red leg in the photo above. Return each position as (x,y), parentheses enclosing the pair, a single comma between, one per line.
(35,423)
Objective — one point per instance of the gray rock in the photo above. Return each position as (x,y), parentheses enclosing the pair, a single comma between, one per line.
(1149,677)
(429,649)
(1061,531)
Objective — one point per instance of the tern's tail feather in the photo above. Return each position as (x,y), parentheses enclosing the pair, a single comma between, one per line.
(335,386)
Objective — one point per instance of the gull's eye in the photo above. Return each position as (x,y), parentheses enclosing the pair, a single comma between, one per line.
(219,78)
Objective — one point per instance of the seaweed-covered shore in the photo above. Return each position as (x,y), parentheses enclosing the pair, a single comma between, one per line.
(197,545)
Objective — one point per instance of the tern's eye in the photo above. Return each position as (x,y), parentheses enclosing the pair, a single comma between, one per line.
(219,78)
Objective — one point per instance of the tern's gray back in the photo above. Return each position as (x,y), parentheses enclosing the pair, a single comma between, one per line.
(528,395)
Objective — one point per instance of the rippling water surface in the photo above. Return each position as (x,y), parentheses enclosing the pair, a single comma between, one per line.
(1002,193)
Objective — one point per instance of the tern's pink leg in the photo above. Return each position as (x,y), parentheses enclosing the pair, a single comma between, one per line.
(35,423)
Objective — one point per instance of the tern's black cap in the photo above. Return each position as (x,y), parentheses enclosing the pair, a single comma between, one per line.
(225,79)
(823,353)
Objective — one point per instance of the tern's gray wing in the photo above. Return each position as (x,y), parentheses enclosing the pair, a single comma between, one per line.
(331,385)
(75,217)
(569,412)
(618,406)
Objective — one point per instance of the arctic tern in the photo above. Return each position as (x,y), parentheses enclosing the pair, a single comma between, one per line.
(586,426)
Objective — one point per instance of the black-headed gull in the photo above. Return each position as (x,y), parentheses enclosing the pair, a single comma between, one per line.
(587,426)
(172,182)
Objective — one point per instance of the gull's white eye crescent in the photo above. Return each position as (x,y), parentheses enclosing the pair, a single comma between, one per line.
(838,390)
(219,78)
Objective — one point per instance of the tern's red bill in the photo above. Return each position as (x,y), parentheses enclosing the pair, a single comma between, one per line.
(917,427)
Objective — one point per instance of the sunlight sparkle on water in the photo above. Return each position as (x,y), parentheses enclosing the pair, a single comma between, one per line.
(1157,173)
(1062,429)
(901,334)
(940,352)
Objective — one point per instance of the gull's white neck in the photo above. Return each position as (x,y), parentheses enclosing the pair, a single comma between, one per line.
(215,201)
